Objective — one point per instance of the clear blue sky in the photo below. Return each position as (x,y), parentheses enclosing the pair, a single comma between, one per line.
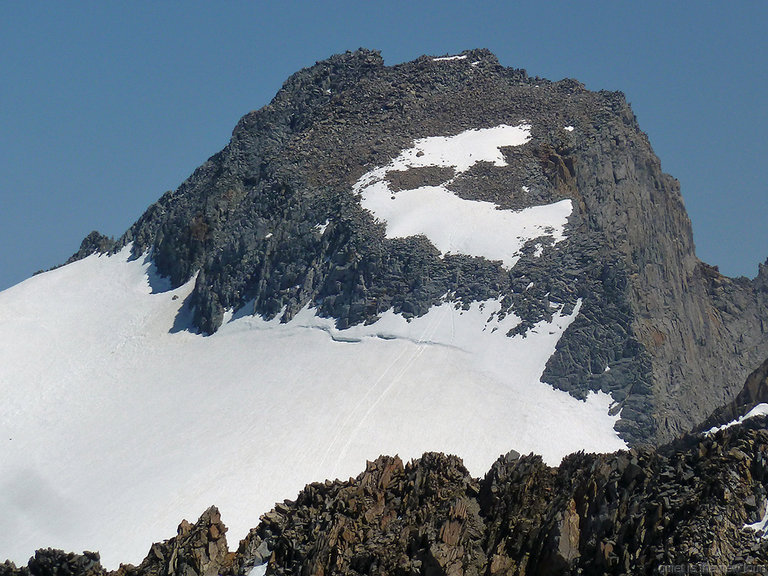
(106,105)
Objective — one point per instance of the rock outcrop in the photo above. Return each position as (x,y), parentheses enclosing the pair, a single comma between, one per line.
(50,562)
(95,242)
(626,513)
(198,549)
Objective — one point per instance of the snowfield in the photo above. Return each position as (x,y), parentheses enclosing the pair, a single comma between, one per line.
(115,424)
(452,224)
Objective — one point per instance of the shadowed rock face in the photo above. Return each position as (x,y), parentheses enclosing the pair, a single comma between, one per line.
(678,337)
(625,513)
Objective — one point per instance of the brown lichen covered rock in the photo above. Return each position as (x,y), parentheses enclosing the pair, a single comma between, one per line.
(196,550)
(625,513)
(425,515)
(632,512)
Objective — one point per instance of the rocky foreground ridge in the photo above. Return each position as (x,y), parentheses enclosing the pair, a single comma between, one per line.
(680,508)
(635,512)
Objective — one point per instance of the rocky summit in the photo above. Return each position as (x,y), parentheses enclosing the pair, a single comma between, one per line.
(275,222)
(444,255)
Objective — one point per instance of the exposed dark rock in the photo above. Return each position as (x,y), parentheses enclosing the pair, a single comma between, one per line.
(94,243)
(50,562)
(425,514)
(625,513)
(417,177)
(196,550)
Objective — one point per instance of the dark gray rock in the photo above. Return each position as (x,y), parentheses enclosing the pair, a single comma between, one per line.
(754,392)
(50,562)
(94,243)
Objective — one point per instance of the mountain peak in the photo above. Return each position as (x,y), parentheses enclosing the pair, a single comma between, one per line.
(441,255)
(278,221)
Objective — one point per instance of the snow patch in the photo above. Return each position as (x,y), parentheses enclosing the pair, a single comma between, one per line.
(321,227)
(452,224)
(758,410)
(461,151)
(760,526)
(447,58)
(260,570)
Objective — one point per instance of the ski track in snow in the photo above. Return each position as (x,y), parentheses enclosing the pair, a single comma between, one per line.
(414,354)
(113,429)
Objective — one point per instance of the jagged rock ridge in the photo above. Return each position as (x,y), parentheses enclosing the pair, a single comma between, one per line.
(630,512)
(271,223)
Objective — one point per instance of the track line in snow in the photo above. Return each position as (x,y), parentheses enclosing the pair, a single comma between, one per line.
(340,431)
(421,345)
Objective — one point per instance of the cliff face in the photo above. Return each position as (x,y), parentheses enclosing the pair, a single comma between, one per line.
(274,222)
(701,332)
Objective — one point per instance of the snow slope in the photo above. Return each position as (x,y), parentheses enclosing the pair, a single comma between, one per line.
(115,424)
(451,223)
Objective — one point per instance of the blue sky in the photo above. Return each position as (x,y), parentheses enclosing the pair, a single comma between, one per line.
(106,105)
